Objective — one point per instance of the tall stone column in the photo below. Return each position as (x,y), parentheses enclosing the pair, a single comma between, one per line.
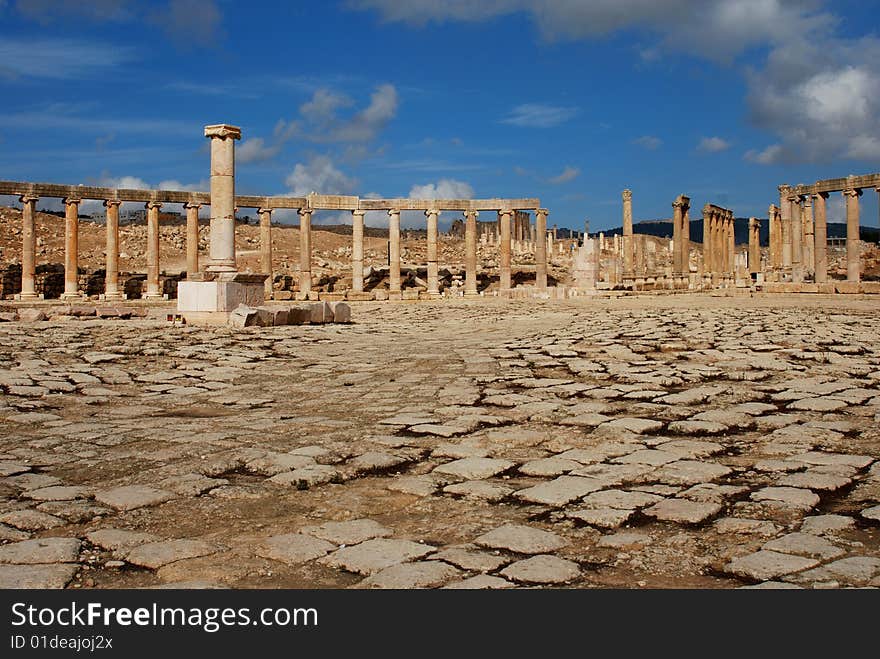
(111,271)
(433,266)
(266,248)
(541,248)
(357,251)
(820,238)
(731,245)
(627,236)
(71,249)
(153,250)
(192,238)
(28,247)
(775,235)
(754,245)
(222,249)
(797,240)
(723,256)
(394,253)
(504,280)
(853,266)
(470,253)
(707,241)
(680,241)
(809,253)
(305,250)
(685,246)
(785,221)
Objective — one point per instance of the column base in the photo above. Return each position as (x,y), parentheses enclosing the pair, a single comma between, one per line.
(71,296)
(471,294)
(153,296)
(24,297)
(200,301)
(395,295)
(433,295)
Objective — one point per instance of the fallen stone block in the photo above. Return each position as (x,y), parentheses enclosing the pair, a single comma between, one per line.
(321,313)
(281,316)
(8,316)
(82,311)
(243,316)
(283,295)
(341,312)
(31,315)
(265,316)
(113,312)
(301,314)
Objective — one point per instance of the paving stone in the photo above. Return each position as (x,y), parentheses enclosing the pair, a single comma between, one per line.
(59,493)
(554,466)
(683,511)
(8,468)
(129,497)
(817,404)
(468,557)
(191,485)
(154,555)
(852,571)
(10,534)
(374,461)
(559,491)
(690,448)
(712,492)
(41,550)
(120,539)
(689,472)
(485,490)
(804,544)
(31,520)
(689,427)
(625,539)
(480,582)
(294,548)
(421,574)
(74,512)
(350,532)
(309,476)
(521,539)
(815,481)
(827,524)
(475,468)
(693,396)
(620,499)
(771,585)
(648,457)
(375,555)
(728,418)
(604,518)
(744,526)
(820,458)
(36,576)
(542,569)
(763,565)
(273,463)
(788,496)
(422,486)
(872,513)
(634,425)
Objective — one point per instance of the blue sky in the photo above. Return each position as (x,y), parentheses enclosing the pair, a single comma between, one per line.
(563,100)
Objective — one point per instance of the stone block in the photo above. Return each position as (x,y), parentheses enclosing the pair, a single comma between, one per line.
(280,316)
(846,287)
(283,295)
(82,311)
(826,289)
(244,316)
(113,312)
(214,296)
(8,316)
(359,296)
(381,294)
(410,294)
(31,315)
(871,287)
(331,297)
(265,316)
(321,313)
(300,314)
(341,312)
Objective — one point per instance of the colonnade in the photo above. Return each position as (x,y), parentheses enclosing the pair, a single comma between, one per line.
(719,245)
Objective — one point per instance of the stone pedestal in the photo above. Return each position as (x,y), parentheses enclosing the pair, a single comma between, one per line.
(210,301)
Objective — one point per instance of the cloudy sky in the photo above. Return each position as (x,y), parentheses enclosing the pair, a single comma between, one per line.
(567,100)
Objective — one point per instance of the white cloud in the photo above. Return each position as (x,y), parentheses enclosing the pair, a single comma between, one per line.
(713,145)
(59,59)
(537,115)
(769,156)
(321,176)
(256,150)
(648,142)
(442,189)
(190,22)
(567,174)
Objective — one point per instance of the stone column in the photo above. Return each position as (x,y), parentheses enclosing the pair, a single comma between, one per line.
(222,248)
(853,267)
(394,253)
(722,247)
(639,241)
(266,248)
(504,280)
(192,238)
(685,246)
(28,247)
(820,238)
(676,235)
(627,235)
(541,248)
(707,242)
(809,252)
(153,250)
(111,271)
(797,240)
(785,221)
(357,250)
(731,245)
(754,245)
(305,250)
(470,253)
(71,249)
(433,267)
(774,230)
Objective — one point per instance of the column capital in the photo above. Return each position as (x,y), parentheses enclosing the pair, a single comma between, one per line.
(223,131)
(359,212)
(542,211)
(305,211)
(853,192)
(470,213)
(27,198)
(502,211)
(627,195)
(191,204)
(261,211)
(70,200)
(783,189)
(808,200)
(107,203)
(150,205)
(432,211)
(823,195)
(393,211)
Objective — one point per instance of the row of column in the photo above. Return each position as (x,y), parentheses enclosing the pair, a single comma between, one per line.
(799,235)
(71,247)
(719,244)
